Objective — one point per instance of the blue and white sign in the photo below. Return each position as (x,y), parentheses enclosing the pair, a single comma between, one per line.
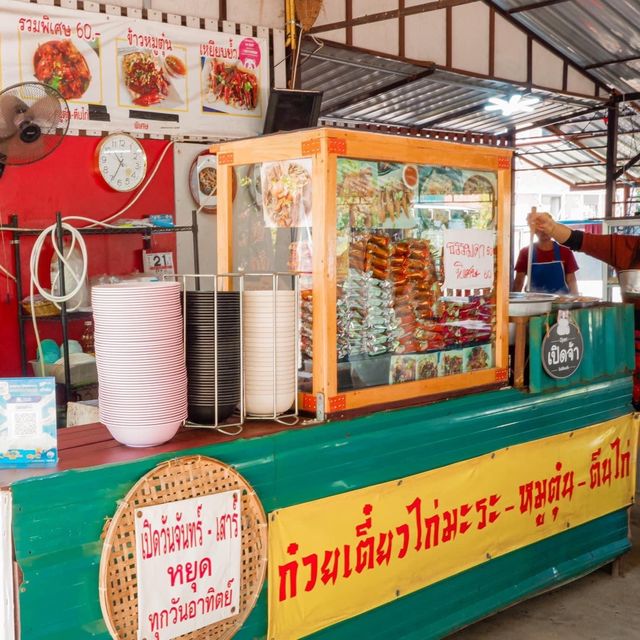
(28,434)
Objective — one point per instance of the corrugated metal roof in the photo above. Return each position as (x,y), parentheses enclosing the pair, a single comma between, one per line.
(363,88)
(590,32)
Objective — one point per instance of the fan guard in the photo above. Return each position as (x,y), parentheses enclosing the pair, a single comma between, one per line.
(34,119)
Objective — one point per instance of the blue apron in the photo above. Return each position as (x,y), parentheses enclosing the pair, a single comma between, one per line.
(548,277)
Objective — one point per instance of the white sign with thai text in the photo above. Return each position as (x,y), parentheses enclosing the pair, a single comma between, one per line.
(469,259)
(188,556)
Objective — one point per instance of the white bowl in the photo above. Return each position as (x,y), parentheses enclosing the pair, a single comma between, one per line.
(263,404)
(147,437)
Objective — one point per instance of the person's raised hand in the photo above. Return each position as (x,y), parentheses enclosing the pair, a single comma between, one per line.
(540,221)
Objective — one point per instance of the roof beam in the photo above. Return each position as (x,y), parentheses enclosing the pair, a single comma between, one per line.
(367,95)
(597,65)
(627,165)
(535,5)
(570,137)
(434,5)
(592,153)
(569,150)
(534,36)
(565,165)
(542,124)
(547,171)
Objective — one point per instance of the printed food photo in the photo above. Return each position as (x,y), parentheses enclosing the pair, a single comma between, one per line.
(72,67)
(152,80)
(286,196)
(228,87)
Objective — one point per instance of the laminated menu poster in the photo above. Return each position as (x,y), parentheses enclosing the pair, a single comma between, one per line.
(28,434)
(120,73)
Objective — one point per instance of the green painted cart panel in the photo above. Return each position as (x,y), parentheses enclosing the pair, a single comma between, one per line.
(608,334)
(58,518)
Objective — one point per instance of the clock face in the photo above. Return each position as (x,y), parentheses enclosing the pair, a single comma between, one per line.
(122,162)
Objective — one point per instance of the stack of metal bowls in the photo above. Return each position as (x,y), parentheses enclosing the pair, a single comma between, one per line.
(214,373)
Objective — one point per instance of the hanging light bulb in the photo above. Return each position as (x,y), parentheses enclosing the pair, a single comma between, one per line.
(515,104)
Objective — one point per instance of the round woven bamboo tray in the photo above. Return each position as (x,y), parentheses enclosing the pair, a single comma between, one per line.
(178,479)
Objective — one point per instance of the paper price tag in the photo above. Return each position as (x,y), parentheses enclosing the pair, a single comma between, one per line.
(158,263)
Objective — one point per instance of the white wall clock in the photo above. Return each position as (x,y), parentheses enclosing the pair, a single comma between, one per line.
(122,161)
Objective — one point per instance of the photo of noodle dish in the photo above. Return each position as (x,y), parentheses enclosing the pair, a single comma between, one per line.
(286,193)
(70,66)
(148,80)
(229,87)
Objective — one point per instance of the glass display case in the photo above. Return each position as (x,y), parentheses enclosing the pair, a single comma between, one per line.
(403,247)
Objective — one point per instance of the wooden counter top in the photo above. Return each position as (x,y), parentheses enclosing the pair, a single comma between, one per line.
(92,445)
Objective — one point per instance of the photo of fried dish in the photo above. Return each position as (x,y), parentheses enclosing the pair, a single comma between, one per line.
(59,64)
(208,180)
(403,369)
(428,366)
(357,185)
(477,358)
(231,84)
(286,196)
(144,78)
(451,364)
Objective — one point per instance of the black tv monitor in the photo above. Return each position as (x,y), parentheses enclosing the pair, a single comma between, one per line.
(292,109)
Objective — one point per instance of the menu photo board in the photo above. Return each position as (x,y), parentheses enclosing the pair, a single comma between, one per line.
(120,73)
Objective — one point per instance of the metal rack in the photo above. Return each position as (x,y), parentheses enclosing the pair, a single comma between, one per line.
(65,316)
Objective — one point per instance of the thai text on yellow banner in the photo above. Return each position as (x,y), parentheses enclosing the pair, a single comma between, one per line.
(338,557)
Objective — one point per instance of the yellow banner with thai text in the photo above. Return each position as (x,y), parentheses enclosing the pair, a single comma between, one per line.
(335,558)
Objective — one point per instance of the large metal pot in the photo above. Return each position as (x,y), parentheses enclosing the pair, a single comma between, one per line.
(527,304)
(530,304)
(629,280)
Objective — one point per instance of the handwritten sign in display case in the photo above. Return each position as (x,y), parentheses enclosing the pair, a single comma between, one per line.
(562,348)
(469,259)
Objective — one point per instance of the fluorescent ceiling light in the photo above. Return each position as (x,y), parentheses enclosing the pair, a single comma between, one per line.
(515,104)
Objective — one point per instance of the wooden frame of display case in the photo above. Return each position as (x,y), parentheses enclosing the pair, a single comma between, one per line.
(324,146)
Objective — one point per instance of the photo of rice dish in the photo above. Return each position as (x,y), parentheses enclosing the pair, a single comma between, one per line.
(144,78)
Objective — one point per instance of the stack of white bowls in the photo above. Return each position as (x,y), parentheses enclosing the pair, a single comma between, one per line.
(269,338)
(140,359)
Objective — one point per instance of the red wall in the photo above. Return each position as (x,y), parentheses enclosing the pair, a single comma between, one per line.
(66,181)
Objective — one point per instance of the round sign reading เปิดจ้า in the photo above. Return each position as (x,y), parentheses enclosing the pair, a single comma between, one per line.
(562,348)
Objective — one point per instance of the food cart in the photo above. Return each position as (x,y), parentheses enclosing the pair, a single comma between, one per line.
(383,520)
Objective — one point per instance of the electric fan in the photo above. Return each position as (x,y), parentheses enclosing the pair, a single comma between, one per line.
(34,118)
